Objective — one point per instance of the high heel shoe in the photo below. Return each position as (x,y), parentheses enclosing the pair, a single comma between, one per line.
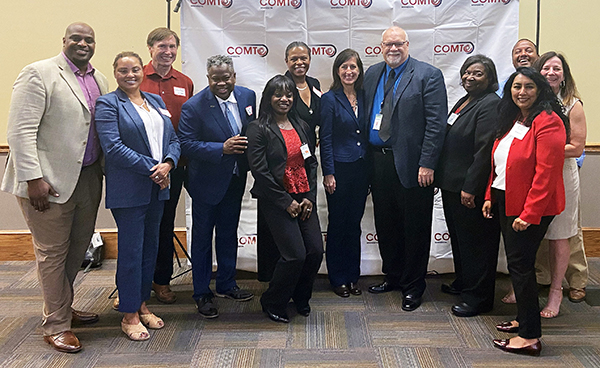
(549,313)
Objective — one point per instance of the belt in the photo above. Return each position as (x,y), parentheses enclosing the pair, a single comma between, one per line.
(382,150)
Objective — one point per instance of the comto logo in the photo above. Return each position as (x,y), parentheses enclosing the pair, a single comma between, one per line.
(344,3)
(202,3)
(269,4)
(413,3)
(248,49)
(483,2)
(372,51)
(454,47)
(328,50)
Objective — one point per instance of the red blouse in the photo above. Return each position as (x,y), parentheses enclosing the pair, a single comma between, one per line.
(294,179)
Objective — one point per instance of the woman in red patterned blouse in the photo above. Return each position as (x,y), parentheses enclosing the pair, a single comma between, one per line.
(284,168)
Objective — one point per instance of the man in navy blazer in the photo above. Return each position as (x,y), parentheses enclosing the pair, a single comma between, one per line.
(211,132)
(407,106)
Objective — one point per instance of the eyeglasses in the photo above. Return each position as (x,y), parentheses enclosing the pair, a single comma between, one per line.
(397,44)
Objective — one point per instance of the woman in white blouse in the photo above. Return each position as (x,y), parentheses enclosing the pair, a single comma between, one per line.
(140,148)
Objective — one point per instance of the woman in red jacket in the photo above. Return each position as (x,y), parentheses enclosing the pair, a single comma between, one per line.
(527,184)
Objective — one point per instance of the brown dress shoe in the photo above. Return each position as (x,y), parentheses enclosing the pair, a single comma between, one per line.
(83,318)
(576,295)
(164,294)
(65,342)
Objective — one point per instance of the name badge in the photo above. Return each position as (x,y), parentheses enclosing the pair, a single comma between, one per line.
(452,118)
(317,92)
(377,122)
(249,110)
(165,112)
(305,151)
(518,131)
(178,91)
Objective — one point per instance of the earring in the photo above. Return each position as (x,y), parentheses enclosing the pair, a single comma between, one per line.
(562,84)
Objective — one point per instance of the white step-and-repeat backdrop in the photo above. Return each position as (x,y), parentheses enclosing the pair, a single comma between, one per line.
(255,34)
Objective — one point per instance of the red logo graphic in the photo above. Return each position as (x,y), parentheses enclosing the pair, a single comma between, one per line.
(343,3)
(412,3)
(246,240)
(221,3)
(454,47)
(248,49)
(370,237)
(441,237)
(372,51)
(272,3)
(327,49)
(483,2)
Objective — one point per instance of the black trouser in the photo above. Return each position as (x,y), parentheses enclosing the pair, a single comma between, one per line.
(521,248)
(403,221)
(475,241)
(346,207)
(164,260)
(301,247)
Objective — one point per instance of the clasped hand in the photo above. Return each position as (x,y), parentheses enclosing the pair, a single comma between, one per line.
(304,209)
(160,174)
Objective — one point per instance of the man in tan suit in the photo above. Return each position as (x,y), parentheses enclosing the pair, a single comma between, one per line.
(54,171)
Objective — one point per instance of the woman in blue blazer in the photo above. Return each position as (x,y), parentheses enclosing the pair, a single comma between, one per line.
(345,170)
(140,148)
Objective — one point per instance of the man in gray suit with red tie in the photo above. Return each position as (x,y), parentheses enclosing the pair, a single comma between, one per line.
(54,171)
(407,103)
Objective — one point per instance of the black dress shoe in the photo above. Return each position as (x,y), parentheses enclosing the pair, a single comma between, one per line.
(304,310)
(507,326)
(410,302)
(450,289)
(282,318)
(342,291)
(384,287)
(354,290)
(462,309)
(533,350)
(206,307)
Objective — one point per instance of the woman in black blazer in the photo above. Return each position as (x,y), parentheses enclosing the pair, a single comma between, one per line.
(306,106)
(462,174)
(283,164)
(307,94)
(345,170)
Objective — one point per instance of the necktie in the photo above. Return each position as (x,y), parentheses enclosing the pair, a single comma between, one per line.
(386,109)
(234,128)
(231,119)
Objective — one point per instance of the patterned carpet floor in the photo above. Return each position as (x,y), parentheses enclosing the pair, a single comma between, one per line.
(358,332)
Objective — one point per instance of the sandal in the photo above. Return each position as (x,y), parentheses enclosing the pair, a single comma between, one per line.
(150,320)
(549,313)
(135,332)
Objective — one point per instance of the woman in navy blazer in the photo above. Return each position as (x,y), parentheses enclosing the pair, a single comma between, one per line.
(462,175)
(140,148)
(526,182)
(345,170)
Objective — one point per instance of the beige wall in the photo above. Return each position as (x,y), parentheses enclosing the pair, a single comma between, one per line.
(33,30)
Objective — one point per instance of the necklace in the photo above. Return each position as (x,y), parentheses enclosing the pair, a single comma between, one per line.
(302,89)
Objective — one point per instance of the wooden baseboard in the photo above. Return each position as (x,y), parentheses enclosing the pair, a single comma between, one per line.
(16,246)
